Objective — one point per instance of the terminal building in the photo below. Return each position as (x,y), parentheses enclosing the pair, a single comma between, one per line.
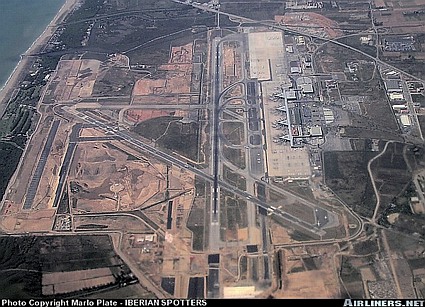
(287,157)
(295,67)
(305,85)
(393,86)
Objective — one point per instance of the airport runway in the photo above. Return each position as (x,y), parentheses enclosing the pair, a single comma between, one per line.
(127,137)
(35,180)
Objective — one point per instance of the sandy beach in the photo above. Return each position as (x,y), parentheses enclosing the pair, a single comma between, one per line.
(13,81)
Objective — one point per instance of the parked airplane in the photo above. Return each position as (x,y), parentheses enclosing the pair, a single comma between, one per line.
(279,95)
(282,122)
(284,137)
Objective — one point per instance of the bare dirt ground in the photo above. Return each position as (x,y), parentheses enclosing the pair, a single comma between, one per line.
(46,190)
(118,222)
(91,132)
(309,281)
(177,75)
(29,222)
(145,87)
(173,256)
(309,19)
(379,3)
(279,234)
(139,115)
(75,79)
(312,284)
(110,181)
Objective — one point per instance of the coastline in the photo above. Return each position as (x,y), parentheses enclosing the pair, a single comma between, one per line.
(12,81)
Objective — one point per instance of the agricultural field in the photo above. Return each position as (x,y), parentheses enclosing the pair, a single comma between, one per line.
(35,263)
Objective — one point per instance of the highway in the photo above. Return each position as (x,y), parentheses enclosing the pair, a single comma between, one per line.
(273,25)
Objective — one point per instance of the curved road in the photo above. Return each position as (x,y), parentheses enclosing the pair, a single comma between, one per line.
(284,28)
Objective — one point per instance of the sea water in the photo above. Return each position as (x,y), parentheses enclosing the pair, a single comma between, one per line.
(21,22)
